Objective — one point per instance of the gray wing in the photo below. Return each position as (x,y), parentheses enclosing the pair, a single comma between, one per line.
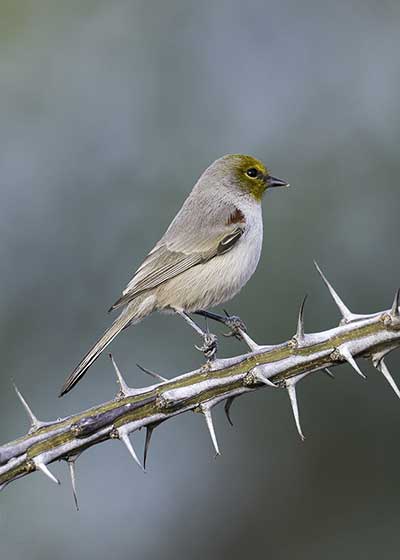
(183,247)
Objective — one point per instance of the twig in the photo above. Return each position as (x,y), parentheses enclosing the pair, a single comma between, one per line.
(283,365)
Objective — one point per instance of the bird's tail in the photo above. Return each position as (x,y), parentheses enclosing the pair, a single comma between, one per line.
(133,313)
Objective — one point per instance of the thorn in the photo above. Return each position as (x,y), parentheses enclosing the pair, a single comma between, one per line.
(123,436)
(346,354)
(152,373)
(382,367)
(125,390)
(377,356)
(207,414)
(43,467)
(300,322)
(71,466)
(227,408)
(250,342)
(395,307)
(291,388)
(329,373)
(149,433)
(266,381)
(35,423)
(344,310)
(258,370)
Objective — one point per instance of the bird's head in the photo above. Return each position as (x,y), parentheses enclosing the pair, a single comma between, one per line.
(245,173)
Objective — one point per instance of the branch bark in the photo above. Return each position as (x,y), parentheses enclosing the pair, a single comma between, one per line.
(281,366)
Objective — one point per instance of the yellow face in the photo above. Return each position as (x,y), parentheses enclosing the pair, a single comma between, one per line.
(252,176)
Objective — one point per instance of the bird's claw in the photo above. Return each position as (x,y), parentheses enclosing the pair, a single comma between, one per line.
(235,324)
(209,346)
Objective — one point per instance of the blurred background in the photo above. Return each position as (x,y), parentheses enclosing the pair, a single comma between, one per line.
(109,113)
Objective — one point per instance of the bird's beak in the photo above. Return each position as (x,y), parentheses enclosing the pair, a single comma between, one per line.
(275,182)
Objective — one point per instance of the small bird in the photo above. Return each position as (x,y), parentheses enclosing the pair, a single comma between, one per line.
(208,253)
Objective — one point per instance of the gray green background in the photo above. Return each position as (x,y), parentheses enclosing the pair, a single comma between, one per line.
(109,112)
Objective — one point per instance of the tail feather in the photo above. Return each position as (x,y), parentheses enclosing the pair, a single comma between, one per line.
(126,317)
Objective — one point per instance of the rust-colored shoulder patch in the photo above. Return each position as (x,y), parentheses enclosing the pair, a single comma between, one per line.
(237,217)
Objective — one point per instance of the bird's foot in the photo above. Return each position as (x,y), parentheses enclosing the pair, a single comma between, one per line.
(235,324)
(209,346)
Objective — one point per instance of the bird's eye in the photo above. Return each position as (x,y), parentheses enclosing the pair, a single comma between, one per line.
(252,172)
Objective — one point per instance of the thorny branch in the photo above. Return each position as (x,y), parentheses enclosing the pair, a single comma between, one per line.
(279,366)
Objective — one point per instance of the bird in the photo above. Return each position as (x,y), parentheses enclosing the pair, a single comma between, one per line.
(208,253)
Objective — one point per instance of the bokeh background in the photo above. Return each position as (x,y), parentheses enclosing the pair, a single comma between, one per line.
(109,113)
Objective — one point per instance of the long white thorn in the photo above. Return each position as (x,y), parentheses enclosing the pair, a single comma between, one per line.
(382,367)
(43,467)
(254,347)
(345,352)
(35,423)
(395,307)
(377,356)
(291,389)
(123,436)
(71,467)
(344,310)
(249,341)
(300,322)
(258,372)
(124,389)
(209,421)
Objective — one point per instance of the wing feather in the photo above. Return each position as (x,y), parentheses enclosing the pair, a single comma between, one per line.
(183,248)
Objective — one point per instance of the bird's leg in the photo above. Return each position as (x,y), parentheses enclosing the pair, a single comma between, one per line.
(209,347)
(233,322)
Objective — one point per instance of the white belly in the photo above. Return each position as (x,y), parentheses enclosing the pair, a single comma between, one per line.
(220,279)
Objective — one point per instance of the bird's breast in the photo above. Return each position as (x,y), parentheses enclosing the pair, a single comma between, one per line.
(245,256)
(218,280)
